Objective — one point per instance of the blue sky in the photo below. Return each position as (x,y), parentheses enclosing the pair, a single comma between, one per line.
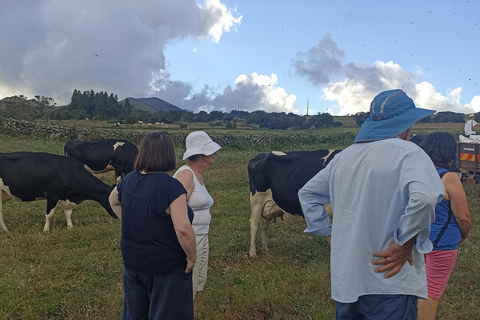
(245,55)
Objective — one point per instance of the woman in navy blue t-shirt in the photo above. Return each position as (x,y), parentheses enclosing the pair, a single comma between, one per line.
(158,243)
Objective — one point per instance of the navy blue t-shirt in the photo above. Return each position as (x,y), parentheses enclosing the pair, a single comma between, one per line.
(149,243)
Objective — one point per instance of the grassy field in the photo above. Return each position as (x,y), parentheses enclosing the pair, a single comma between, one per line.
(77,273)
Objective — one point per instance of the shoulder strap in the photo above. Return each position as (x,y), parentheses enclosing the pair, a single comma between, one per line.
(185,167)
(449,218)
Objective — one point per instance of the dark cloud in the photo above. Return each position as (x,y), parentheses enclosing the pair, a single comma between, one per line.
(255,92)
(52,47)
(320,63)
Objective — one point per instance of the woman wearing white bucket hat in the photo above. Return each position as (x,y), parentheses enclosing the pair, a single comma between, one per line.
(200,152)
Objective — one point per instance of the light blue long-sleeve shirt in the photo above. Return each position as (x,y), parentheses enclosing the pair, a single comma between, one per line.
(380,192)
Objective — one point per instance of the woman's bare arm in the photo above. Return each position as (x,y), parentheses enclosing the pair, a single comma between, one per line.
(115,204)
(458,202)
(183,229)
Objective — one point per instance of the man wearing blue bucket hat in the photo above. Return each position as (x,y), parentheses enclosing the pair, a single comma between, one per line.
(383,190)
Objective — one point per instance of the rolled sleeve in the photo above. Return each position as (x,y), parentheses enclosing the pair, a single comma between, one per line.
(418,217)
(425,191)
(313,196)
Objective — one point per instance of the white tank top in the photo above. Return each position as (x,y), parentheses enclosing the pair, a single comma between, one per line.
(200,201)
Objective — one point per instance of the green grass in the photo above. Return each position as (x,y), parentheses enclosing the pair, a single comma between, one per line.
(77,273)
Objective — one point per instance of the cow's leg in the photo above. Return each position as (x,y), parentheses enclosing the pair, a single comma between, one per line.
(256,207)
(4,227)
(48,216)
(68,216)
(270,212)
(67,210)
(51,203)
(263,235)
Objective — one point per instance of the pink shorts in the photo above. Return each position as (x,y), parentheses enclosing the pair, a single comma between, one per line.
(439,265)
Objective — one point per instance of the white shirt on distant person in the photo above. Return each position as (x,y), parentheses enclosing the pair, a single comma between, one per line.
(469,126)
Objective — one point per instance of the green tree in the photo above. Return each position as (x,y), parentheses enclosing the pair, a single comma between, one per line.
(88,103)
(76,102)
(18,107)
(322,120)
(45,107)
(216,115)
(360,117)
(127,108)
(202,116)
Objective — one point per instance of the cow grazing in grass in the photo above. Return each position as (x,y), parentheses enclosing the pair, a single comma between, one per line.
(275,179)
(104,155)
(31,176)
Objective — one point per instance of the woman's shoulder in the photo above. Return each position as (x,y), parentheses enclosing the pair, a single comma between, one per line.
(184,173)
(163,181)
(184,170)
(451,180)
(128,177)
(451,175)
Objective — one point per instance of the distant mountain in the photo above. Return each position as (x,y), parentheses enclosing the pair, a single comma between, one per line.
(152,104)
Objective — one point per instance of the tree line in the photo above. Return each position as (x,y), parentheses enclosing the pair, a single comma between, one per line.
(104,106)
(443,116)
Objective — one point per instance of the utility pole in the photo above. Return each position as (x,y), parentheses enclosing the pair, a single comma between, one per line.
(307,107)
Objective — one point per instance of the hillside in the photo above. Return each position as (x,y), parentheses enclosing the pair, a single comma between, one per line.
(15,100)
(152,104)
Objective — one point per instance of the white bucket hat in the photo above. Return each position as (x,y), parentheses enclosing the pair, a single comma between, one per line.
(198,142)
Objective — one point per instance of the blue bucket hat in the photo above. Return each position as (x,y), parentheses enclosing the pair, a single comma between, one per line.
(391,113)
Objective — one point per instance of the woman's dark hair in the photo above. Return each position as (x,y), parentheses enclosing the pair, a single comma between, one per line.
(441,147)
(156,153)
(193,158)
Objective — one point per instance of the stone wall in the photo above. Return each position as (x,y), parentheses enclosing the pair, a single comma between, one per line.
(22,127)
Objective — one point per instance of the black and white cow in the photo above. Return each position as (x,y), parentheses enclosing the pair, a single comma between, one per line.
(104,155)
(31,176)
(275,179)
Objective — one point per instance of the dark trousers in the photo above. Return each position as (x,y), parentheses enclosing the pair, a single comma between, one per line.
(378,307)
(167,297)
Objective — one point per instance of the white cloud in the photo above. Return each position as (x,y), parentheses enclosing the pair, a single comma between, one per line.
(225,20)
(474,105)
(363,83)
(255,92)
(354,94)
(350,97)
(454,95)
